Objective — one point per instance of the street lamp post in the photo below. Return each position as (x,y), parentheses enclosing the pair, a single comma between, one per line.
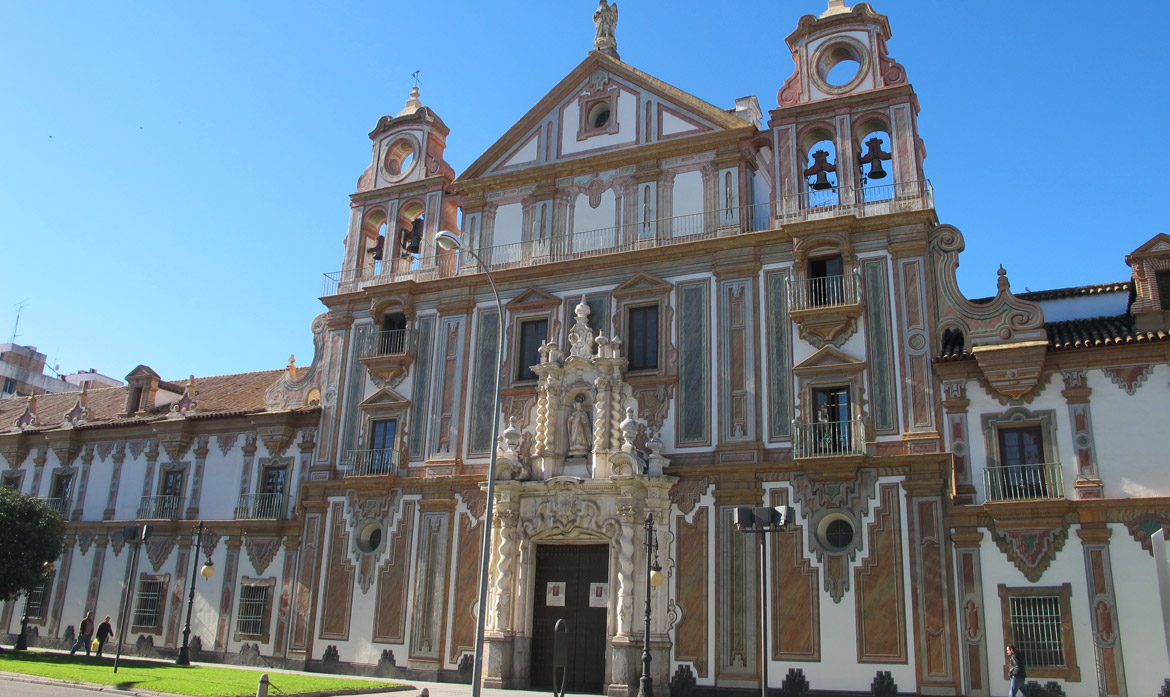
(451,242)
(761,520)
(208,570)
(653,580)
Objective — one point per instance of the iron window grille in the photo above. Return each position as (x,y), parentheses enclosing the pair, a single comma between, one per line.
(253,608)
(1037,630)
(148,607)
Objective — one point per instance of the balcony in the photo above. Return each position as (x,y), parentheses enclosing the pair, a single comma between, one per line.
(158,508)
(825,308)
(828,438)
(387,354)
(1023,482)
(260,507)
(648,234)
(369,463)
(61,505)
(898,197)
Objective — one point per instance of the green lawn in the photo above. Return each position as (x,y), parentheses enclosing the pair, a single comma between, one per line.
(195,680)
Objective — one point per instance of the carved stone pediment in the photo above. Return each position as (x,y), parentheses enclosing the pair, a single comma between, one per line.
(1012,370)
(532,299)
(385,398)
(14,450)
(277,438)
(65,445)
(642,284)
(829,360)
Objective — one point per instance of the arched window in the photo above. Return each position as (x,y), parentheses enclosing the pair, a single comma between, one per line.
(875,160)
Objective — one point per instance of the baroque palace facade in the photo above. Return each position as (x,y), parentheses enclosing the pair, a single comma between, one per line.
(703,308)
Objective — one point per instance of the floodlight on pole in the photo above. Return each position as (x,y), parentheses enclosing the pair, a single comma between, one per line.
(450,242)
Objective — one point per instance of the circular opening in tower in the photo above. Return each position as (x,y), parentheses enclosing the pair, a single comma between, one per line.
(399,157)
(838,533)
(842,67)
(369,537)
(599,115)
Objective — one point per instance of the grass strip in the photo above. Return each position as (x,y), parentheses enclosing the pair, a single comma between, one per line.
(194,680)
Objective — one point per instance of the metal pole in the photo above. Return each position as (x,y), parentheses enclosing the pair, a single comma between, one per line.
(127,598)
(22,639)
(646,683)
(763,613)
(184,658)
(486,552)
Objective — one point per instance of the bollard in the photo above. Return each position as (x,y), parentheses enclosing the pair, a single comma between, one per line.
(560,658)
(426,692)
(262,688)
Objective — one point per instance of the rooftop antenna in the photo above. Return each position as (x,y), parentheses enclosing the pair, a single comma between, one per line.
(19,306)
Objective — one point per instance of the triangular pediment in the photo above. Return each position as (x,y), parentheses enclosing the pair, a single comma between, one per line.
(141,371)
(1157,245)
(559,127)
(829,359)
(642,283)
(385,398)
(532,299)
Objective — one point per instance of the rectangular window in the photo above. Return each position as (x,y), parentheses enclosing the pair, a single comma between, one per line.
(832,421)
(1037,630)
(12,481)
(253,614)
(1022,472)
(9,386)
(825,281)
(172,483)
(273,480)
(642,330)
(37,602)
(532,333)
(62,484)
(148,605)
(382,434)
(1162,278)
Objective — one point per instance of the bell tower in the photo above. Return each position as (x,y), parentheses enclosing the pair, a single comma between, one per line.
(402,198)
(846,119)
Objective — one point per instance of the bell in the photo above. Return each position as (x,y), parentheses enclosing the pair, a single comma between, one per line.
(873,157)
(820,183)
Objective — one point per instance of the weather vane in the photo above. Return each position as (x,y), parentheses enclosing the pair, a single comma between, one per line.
(417,82)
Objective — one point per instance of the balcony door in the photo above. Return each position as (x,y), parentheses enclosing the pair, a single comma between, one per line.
(1022,472)
(382,435)
(832,419)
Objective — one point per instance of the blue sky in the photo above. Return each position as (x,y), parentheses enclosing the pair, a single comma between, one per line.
(174,177)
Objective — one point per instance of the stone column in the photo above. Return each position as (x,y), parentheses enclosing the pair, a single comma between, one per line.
(972,624)
(1103,607)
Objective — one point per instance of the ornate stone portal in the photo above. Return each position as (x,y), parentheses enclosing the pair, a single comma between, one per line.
(584,482)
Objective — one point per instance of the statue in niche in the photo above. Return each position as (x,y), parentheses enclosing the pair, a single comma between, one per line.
(579,432)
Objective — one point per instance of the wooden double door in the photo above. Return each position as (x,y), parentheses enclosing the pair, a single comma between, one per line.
(571,584)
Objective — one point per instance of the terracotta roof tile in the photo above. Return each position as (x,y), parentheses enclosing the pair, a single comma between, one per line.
(218,396)
(1071,292)
(1077,334)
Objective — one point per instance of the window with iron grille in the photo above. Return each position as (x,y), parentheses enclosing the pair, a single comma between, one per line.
(148,604)
(1039,621)
(253,610)
(35,607)
(1037,630)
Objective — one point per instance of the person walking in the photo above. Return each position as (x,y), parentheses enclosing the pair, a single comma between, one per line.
(84,634)
(104,632)
(1017,671)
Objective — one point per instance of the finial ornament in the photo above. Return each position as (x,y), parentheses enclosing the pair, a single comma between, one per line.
(412,103)
(605,20)
(836,7)
(1002,283)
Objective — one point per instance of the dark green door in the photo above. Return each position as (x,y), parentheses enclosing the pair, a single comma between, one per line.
(579,568)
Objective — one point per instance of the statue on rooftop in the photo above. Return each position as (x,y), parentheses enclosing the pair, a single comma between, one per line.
(605,19)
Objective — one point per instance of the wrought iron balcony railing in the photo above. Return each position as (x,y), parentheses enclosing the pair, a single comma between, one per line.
(61,505)
(828,438)
(393,342)
(369,463)
(897,197)
(158,508)
(825,291)
(1023,482)
(260,507)
(645,234)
